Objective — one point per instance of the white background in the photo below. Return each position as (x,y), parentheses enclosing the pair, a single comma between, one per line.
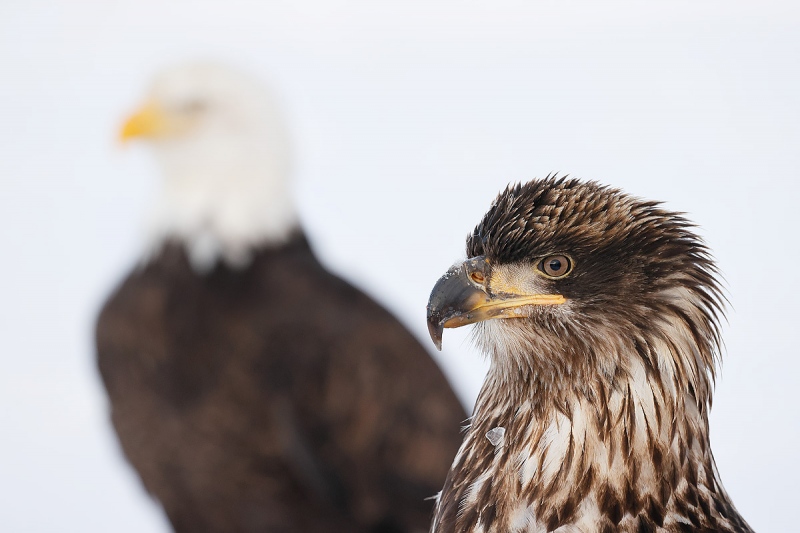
(408,118)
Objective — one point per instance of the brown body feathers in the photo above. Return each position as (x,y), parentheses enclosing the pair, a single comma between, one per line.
(274,397)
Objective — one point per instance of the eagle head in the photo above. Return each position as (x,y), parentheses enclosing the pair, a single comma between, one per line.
(580,265)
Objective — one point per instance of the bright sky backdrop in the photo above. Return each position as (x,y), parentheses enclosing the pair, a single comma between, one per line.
(408,117)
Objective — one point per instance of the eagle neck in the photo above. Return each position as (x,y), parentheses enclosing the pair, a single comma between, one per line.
(222,206)
(618,442)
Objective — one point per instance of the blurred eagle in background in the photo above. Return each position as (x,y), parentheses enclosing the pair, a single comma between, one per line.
(599,313)
(250,388)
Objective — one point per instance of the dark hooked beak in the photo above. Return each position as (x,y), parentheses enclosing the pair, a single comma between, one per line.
(463,296)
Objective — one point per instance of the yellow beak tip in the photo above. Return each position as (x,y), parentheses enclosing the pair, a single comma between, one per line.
(148,122)
(125,135)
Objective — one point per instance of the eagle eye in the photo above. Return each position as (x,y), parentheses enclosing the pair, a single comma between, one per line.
(555,266)
(193,106)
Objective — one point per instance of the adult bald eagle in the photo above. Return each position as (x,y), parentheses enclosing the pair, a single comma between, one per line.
(251,389)
(600,314)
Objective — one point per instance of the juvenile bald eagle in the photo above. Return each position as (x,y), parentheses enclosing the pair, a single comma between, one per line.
(599,312)
(251,389)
